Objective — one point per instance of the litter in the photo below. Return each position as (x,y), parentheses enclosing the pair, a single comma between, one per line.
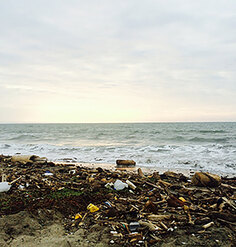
(119,185)
(92,208)
(4,186)
(138,209)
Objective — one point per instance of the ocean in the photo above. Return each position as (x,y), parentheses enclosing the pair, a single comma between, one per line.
(199,146)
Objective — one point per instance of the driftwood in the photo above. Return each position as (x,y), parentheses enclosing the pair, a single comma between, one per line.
(206,179)
(157,204)
(125,163)
(28,158)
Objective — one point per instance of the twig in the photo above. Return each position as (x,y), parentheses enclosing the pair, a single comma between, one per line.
(12,182)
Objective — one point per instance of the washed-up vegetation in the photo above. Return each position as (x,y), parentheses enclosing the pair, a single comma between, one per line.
(128,208)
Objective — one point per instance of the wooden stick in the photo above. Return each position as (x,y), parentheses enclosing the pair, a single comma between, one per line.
(12,182)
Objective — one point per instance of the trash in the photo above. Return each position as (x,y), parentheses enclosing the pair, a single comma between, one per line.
(155,207)
(119,185)
(4,186)
(4,177)
(206,179)
(133,226)
(108,204)
(125,163)
(109,185)
(78,216)
(21,187)
(131,185)
(92,208)
(48,173)
(182,199)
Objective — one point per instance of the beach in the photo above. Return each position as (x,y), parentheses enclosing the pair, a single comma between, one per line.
(118,123)
(47,205)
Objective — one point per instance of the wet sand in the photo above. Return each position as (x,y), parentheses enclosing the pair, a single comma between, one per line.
(146,170)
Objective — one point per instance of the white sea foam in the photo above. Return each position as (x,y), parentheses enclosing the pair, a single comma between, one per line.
(209,147)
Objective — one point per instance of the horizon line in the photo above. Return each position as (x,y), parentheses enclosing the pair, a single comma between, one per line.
(138,122)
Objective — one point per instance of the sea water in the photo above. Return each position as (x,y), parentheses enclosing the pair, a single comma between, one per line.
(200,146)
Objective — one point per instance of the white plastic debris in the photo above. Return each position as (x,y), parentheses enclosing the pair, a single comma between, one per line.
(48,173)
(72,172)
(119,185)
(4,186)
(109,185)
(21,187)
(4,177)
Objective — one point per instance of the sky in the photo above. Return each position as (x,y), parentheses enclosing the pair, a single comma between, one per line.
(69,61)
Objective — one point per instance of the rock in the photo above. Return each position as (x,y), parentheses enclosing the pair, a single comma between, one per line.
(206,179)
(125,163)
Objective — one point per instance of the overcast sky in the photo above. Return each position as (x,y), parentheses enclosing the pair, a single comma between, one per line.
(117,61)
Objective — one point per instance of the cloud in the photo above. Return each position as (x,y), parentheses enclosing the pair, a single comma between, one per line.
(174,54)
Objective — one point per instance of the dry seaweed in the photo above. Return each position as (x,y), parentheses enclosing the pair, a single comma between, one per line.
(160,206)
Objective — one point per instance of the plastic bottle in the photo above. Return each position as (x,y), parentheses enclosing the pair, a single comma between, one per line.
(4,186)
(119,185)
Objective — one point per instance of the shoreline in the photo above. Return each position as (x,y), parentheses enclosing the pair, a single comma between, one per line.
(147,170)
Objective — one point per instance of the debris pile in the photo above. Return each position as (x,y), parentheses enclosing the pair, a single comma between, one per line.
(138,209)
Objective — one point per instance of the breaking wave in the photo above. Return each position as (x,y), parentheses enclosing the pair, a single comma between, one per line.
(202,146)
(212,131)
(23,137)
(201,139)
